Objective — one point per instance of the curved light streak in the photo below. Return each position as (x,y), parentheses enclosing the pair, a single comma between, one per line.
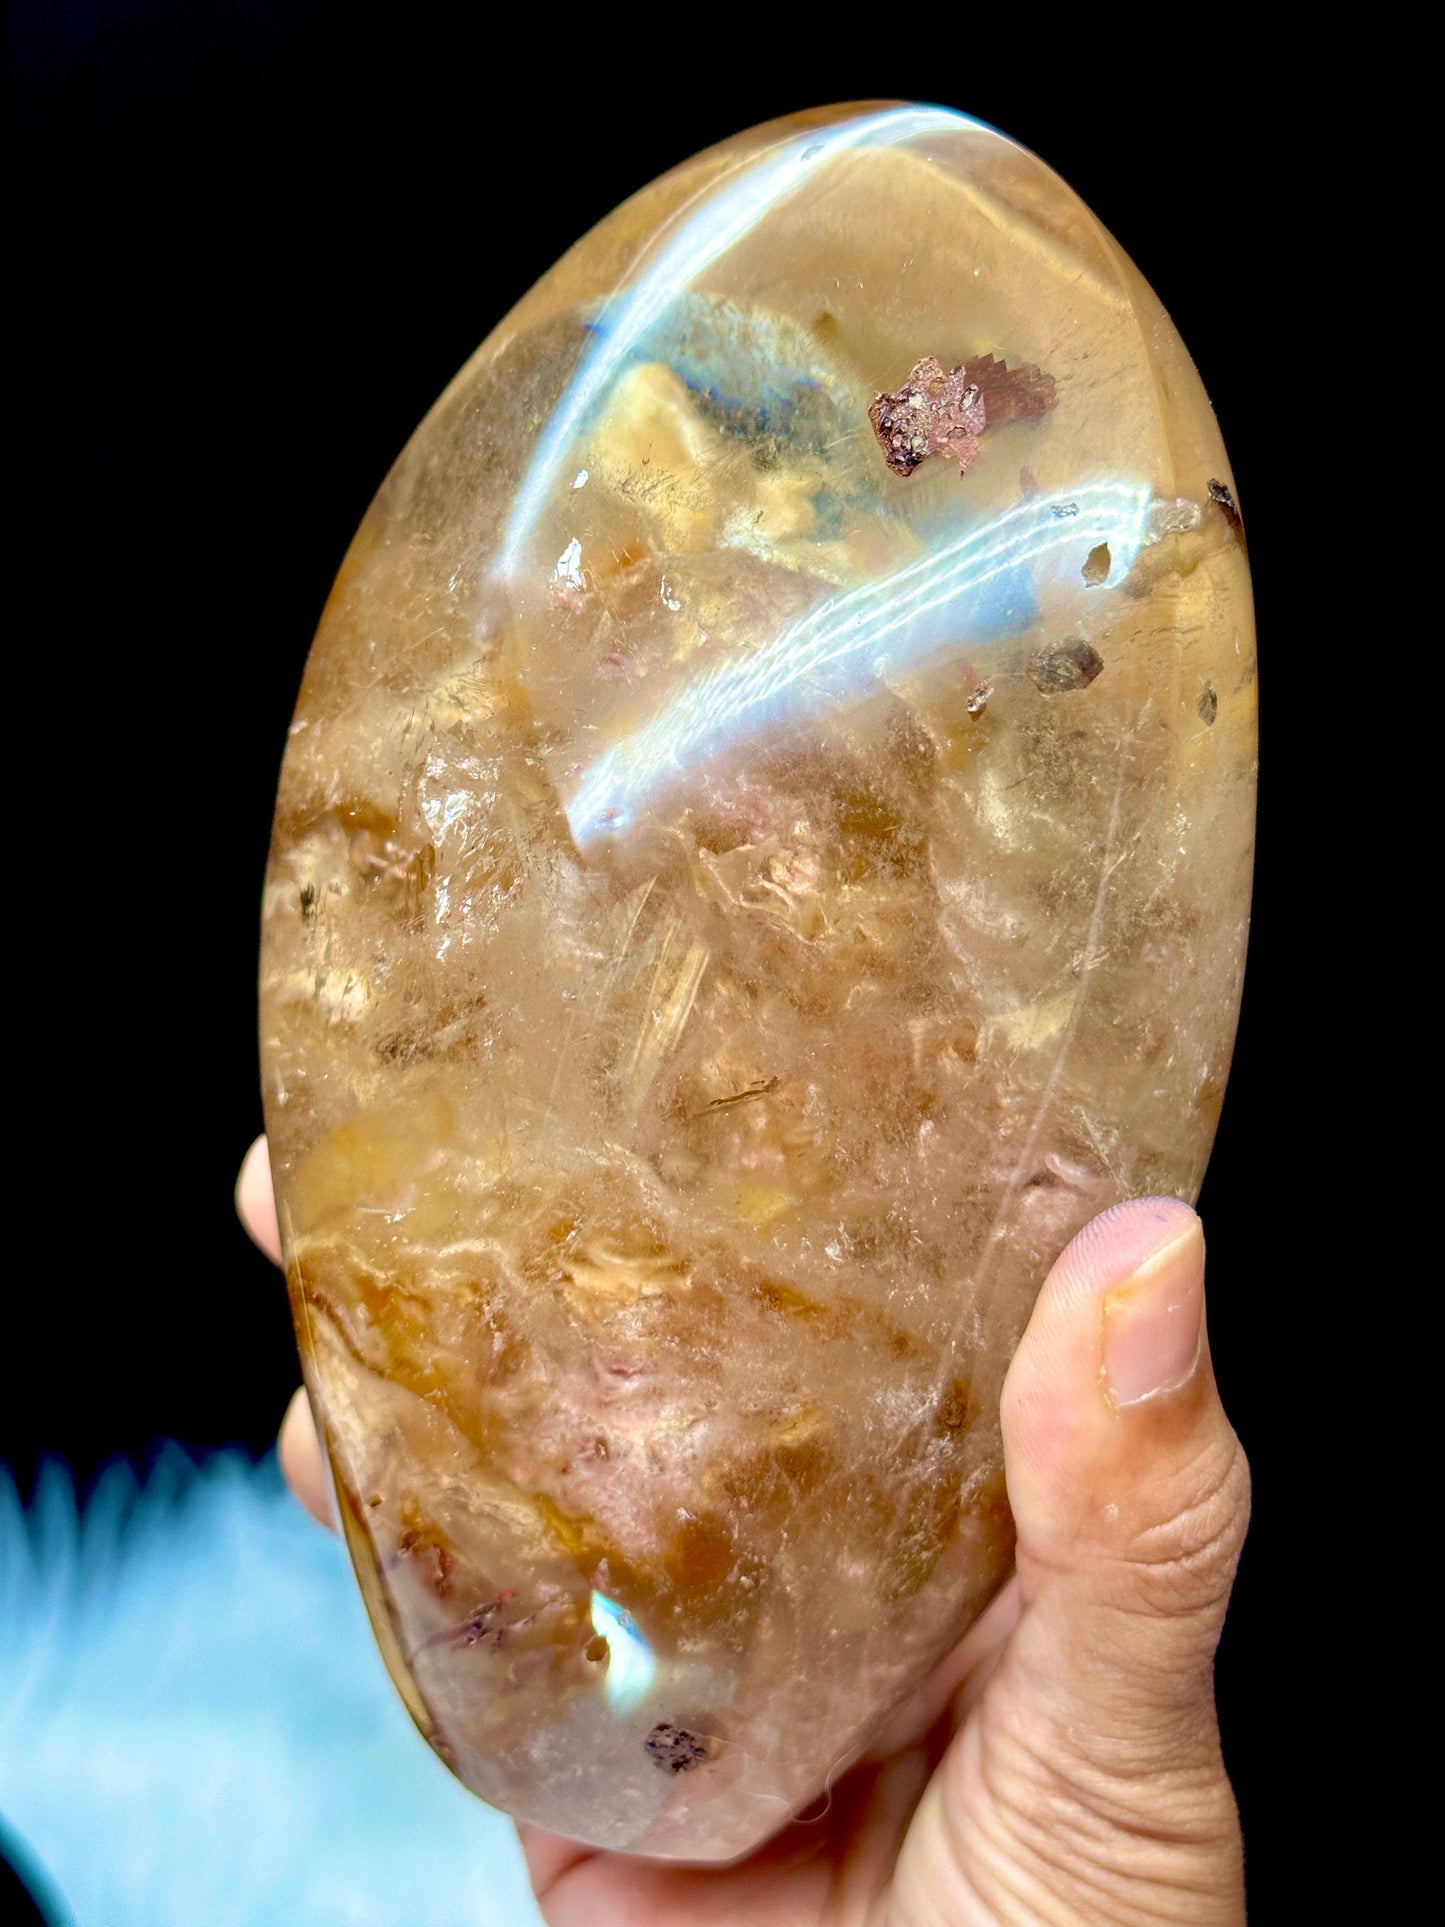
(722,219)
(844,647)
(630,1664)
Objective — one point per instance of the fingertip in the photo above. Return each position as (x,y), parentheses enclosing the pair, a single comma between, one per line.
(1117,1449)
(256,1200)
(1130,1500)
(1117,1327)
(302,1466)
(549,1856)
(1123,1245)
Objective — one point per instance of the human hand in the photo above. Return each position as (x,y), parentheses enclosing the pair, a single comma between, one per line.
(1063,1765)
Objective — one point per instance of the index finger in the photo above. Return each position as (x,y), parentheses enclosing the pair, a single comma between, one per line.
(256,1200)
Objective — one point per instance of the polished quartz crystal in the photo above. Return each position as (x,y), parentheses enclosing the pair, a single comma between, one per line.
(762,857)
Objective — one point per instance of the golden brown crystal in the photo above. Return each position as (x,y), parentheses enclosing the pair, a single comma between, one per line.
(734,911)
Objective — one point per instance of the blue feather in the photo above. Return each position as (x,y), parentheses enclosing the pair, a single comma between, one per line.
(195,1725)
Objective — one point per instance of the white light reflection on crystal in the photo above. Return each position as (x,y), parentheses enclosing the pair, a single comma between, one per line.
(727,213)
(834,654)
(630,1665)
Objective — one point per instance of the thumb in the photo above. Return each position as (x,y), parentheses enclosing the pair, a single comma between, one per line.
(1131,1495)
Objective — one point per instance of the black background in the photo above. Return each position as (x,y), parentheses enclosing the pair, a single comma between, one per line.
(249,245)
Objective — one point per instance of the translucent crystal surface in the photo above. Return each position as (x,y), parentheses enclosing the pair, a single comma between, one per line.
(762,856)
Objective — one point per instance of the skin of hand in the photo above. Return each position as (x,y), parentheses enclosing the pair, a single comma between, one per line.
(1063,1765)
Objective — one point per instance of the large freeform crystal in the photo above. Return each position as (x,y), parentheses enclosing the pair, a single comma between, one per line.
(762,857)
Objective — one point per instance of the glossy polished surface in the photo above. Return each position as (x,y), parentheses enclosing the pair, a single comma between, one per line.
(762,857)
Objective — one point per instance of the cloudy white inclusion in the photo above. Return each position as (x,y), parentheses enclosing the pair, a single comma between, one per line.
(897,625)
(725,215)
(568,572)
(630,1664)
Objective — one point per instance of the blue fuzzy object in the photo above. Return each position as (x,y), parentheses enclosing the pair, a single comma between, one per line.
(196,1727)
